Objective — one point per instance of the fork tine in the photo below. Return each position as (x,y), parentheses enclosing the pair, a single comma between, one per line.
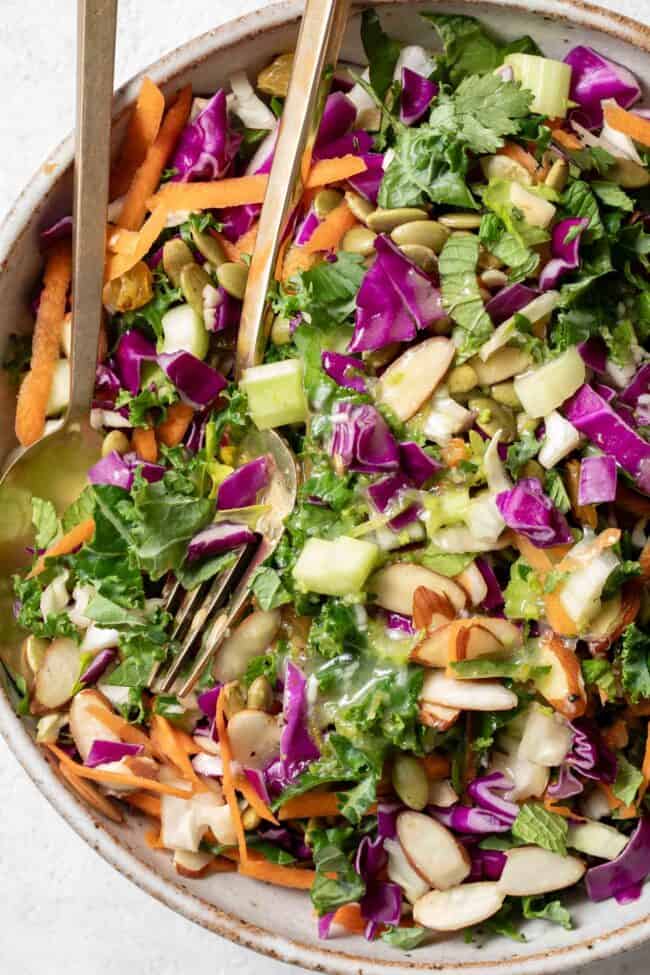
(207,604)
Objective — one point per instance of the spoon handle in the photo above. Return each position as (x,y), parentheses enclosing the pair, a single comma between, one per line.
(321,32)
(96,27)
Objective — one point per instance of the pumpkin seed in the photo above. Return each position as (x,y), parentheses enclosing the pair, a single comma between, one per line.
(115,441)
(410,782)
(176,254)
(533,468)
(492,416)
(493,278)
(233,277)
(274,78)
(461,221)
(325,201)
(383,221)
(505,394)
(260,694)
(462,379)
(378,358)
(526,424)
(281,330)
(234,698)
(209,247)
(558,175)
(427,233)
(361,208)
(250,819)
(131,290)
(359,240)
(193,282)
(628,174)
(423,256)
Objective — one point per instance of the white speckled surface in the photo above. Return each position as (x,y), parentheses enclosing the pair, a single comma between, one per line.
(63,910)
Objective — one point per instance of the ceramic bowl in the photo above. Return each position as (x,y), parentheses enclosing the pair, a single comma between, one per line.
(274,921)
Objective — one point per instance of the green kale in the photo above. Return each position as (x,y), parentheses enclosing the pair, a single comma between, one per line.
(336,630)
(381,52)
(635,663)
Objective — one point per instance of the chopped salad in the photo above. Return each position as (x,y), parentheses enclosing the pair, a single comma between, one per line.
(434,714)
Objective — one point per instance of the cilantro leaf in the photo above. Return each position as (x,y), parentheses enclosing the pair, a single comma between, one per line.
(520,452)
(461,295)
(426,167)
(635,663)
(45,521)
(481,112)
(537,825)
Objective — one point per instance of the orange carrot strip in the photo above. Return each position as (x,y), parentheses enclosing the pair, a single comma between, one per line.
(121,241)
(645,768)
(119,778)
(164,738)
(349,917)
(253,799)
(633,125)
(567,140)
(519,155)
(295,260)
(119,726)
(153,839)
(558,618)
(246,243)
(148,175)
(563,811)
(314,804)
(220,193)
(81,533)
(91,795)
(228,781)
(334,170)
(142,130)
(436,766)
(272,873)
(172,430)
(150,805)
(332,229)
(145,444)
(118,264)
(622,812)
(454,452)
(35,389)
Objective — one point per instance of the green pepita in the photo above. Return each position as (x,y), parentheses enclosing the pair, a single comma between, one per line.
(325,201)
(558,175)
(281,330)
(209,247)
(383,221)
(427,233)
(505,394)
(250,818)
(193,282)
(423,256)
(359,240)
(461,221)
(462,379)
(260,694)
(492,416)
(234,698)
(176,254)
(115,441)
(410,782)
(361,208)
(232,276)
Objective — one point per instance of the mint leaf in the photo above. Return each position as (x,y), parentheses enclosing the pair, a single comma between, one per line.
(461,296)
(45,521)
(268,589)
(404,938)
(537,825)
(579,201)
(628,780)
(612,195)
(553,911)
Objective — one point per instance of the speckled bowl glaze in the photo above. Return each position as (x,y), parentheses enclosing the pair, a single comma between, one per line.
(273,921)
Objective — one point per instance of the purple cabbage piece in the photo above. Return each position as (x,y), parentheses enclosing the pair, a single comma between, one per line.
(59,230)
(238,220)
(324,925)
(607,393)
(594,417)
(597,482)
(98,666)
(589,755)
(640,386)
(382,901)
(566,784)
(383,493)
(207,146)
(387,813)
(468,819)
(367,183)
(629,894)
(220,537)
(486,864)
(297,750)
(132,350)
(593,79)
(508,301)
(527,510)
(356,143)
(400,624)
(362,440)
(338,117)
(344,369)
(195,435)
(622,875)
(594,354)
(240,489)
(306,228)
(482,790)
(396,299)
(107,386)
(494,598)
(418,466)
(256,779)
(207,701)
(417,94)
(226,314)
(197,383)
(102,752)
(112,469)
(565,253)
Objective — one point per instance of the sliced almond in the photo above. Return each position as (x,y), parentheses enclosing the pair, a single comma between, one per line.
(502,364)
(192,864)
(401,872)
(442,793)
(85,727)
(563,686)
(436,716)
(411,379)
(432,850)
(472,581)
(56,676)
(254,738)
(32,655)
(458,640)
(506,632)
(530,871)
(184,822)
(466,695)
(460,907)
(394,587)
(431,609)
(251,638)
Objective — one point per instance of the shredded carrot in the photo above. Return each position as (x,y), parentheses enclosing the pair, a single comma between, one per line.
(148,175)
(118,264)
(216,194)
(119,726)
(645,768)
(153,839)
(327,171)
(622,812)
(228,781)
(627,122)
(118,778)
(246,243)
(436,766)
(35,388)
(72,539)
(330,232)
(454,452)
(254,799)
(165,740)
(220,865)
(567,140)
(617,736)
(273,873)
(172,430)
(150,805)
(142,130)
(295,260)
(144,441)
(563,811)
(606,539)
(349,917)
(519,155)
(314,804)
(539,559)
(91,795)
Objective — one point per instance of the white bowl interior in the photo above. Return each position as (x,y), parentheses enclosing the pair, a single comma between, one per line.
(276,921)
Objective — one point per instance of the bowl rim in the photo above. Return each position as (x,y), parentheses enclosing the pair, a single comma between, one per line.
(173,893)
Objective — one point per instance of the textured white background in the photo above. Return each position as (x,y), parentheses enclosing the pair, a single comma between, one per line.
(62,909)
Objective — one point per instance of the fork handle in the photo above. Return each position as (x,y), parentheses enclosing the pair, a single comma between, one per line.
(321,33)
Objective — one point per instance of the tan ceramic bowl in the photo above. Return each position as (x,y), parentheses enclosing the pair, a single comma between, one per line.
(274,921)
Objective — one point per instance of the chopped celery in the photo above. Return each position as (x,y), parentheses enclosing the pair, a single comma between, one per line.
(335,568)
(543,390)
(548,80)
(447,508)
(183,331)
(59,396)
(275,393)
